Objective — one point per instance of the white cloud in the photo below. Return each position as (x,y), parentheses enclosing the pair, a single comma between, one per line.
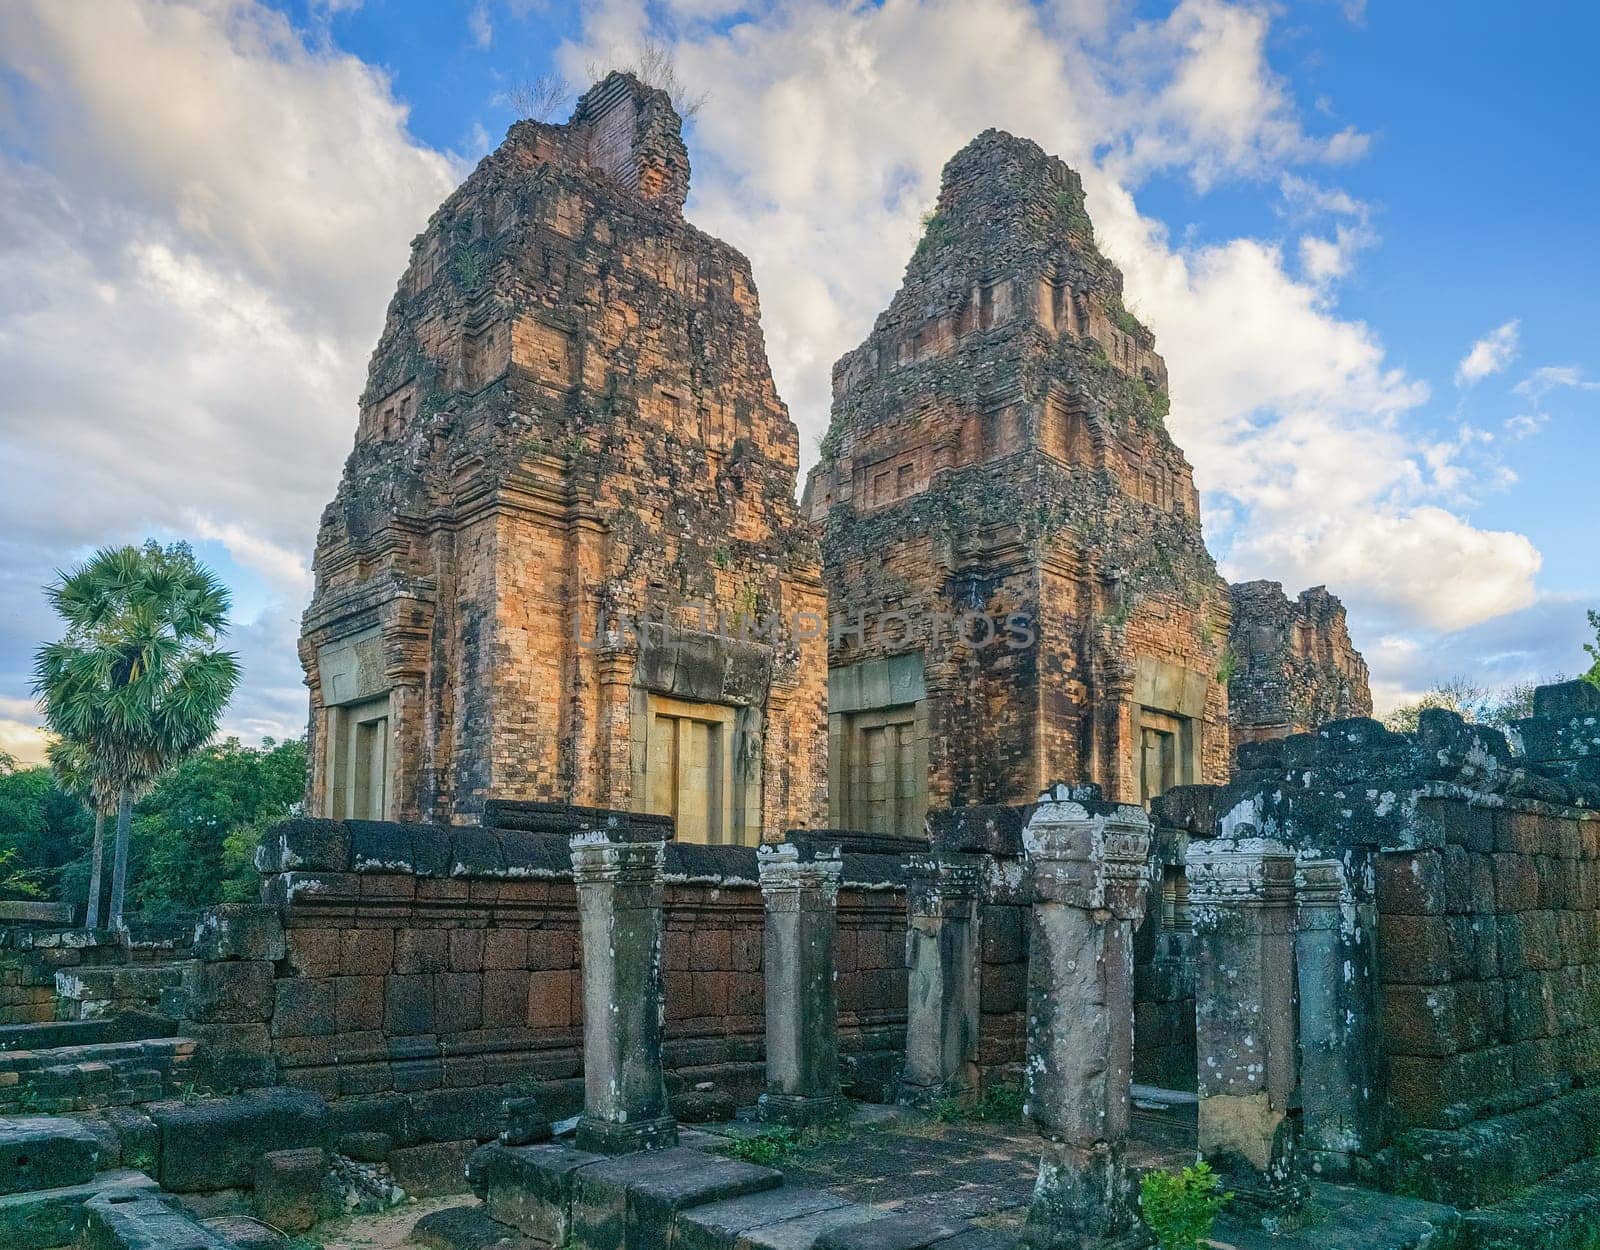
(195,260)
(822,144)
(1525,425)
(199,248)
(479,26)
(1489,355)
(1548,378)
(20,735)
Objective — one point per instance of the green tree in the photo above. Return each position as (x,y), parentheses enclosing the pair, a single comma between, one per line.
(136,680)
(41,831)
(73,768)
(195,833)
(1480,705)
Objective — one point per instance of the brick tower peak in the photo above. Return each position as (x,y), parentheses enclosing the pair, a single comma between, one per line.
(621,128)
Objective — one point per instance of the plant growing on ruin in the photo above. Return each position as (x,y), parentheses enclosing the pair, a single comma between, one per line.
(1593,649)
(1181,1207)
(136,680)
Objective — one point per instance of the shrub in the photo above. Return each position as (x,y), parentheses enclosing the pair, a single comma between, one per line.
(1180,1207)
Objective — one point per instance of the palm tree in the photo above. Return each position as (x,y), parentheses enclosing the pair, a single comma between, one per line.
(74,772)
(136,680)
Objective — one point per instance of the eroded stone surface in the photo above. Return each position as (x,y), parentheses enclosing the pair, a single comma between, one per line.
(569,416)
(998,448)
(1293,664)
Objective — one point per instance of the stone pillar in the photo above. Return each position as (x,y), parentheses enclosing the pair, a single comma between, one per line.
(1241,899)
(1339,1091)
(942,900)
(619,915)
(1089,862)
(614,665)
(801,898)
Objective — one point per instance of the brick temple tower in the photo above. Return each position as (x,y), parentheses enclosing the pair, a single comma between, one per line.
(569,420)
(997,447)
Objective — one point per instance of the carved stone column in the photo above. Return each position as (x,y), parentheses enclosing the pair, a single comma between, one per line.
(619,914)
(1089,862)
(942,946)
(1241,899)
(614,666)
(1339,1091)
(801,898)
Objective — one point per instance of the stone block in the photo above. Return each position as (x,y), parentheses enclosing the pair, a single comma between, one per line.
(245,931)
(42,1152)
(315,952)
(358,1003)
(304,1007)
(467,1228)
(1516,884)
(304,844)
(1420,1019)
(458,1001)
(1414,949)
(234,993)
(213,1144)
(631,1200)
(408,1006)
(897,1232)
(422,950)
(292,1190)
(1001,930)
(727,1224)
(505,948)
(127,1221)
(530,1188)
(365,1146)
(48,1218)
(1410,883)
(366,952)
(429,1170)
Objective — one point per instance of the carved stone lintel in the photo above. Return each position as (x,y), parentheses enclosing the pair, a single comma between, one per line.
(1091,856)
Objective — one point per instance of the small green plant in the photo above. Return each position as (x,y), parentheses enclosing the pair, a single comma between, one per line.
(769,1147)
(1181,1207)
(140,1161)
(1000,1104)
(191,1093)
(28,1101)
(1227,666)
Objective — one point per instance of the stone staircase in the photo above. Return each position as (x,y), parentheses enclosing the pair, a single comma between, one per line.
(54,1195)
(86,1065)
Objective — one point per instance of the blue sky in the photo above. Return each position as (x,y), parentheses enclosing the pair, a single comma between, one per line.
(1358,230)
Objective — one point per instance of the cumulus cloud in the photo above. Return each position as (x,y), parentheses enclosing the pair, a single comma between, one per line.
(202,229)
(1489,355)
(196,251)
(822,143)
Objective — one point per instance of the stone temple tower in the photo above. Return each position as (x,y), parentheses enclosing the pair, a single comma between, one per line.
(570,461)
(997,450)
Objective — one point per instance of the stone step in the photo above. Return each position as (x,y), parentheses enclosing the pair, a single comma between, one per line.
(1489,1161)
(38,1152)
(133,1221)
(92,992)
(87,1077)
(1557,1214)
(46,1218)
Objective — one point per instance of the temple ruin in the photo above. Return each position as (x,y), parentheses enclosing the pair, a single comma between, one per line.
(570,463)
(1293,664)
(1011,539)
(998,824)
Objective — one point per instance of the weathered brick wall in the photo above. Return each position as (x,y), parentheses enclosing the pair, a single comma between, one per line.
(428,961)
(569,417)
(1489,959)
(29,960)
(1294,665)
(998,445)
